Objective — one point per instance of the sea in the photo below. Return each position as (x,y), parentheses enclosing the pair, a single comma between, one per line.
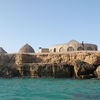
(49,89)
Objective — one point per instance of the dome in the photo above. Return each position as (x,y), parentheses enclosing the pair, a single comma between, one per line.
(26,49)
(73,41)
(2,50)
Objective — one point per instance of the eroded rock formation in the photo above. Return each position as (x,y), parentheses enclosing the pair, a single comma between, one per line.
(97,72)
(66,65)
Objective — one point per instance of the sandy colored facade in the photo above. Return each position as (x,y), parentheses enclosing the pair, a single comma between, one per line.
(42,50)
(73,45)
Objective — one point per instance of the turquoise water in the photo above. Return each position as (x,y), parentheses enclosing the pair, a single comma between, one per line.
(49,89)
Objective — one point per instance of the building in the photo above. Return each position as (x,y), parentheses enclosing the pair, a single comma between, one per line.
(26,49)
(2,51)
(43,50)
(73,45)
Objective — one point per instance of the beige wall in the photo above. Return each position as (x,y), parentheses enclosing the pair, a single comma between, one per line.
(74,45)
(43,50)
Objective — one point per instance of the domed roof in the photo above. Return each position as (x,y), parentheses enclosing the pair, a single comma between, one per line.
(2,50)
(73,42)
(26,49)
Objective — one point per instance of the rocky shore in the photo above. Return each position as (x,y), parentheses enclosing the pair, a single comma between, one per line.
(77,65)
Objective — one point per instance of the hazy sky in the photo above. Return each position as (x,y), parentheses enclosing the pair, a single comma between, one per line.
(43,23)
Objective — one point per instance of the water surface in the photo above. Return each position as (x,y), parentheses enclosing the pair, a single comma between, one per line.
(49,89)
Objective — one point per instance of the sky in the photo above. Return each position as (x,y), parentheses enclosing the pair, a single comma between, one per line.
(43,23)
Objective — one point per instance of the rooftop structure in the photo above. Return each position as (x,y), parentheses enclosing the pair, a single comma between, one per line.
(26,49)
(2,50)
(43,50)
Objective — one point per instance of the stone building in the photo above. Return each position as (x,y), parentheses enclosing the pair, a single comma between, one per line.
(73,45)
(26,49)
(2,51)
(43,50)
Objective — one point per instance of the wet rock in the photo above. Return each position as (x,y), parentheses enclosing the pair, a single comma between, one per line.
(97,72)
(83,69)
(47,70)
(7,71)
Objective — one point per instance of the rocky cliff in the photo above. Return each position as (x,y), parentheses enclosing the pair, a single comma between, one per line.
(67,65)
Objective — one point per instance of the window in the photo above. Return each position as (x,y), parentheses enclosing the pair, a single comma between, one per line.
(89,48)
(80,48)
(54,49)
(70,49)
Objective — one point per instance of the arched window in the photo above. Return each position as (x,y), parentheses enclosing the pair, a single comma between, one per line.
(54,50)
(89,48)
(61,49)
(70,49)
(80,48)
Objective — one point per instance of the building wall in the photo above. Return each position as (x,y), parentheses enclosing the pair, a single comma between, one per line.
(72,46)
(43,50)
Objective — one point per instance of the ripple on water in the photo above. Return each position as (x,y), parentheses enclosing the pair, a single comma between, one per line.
(49,89)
